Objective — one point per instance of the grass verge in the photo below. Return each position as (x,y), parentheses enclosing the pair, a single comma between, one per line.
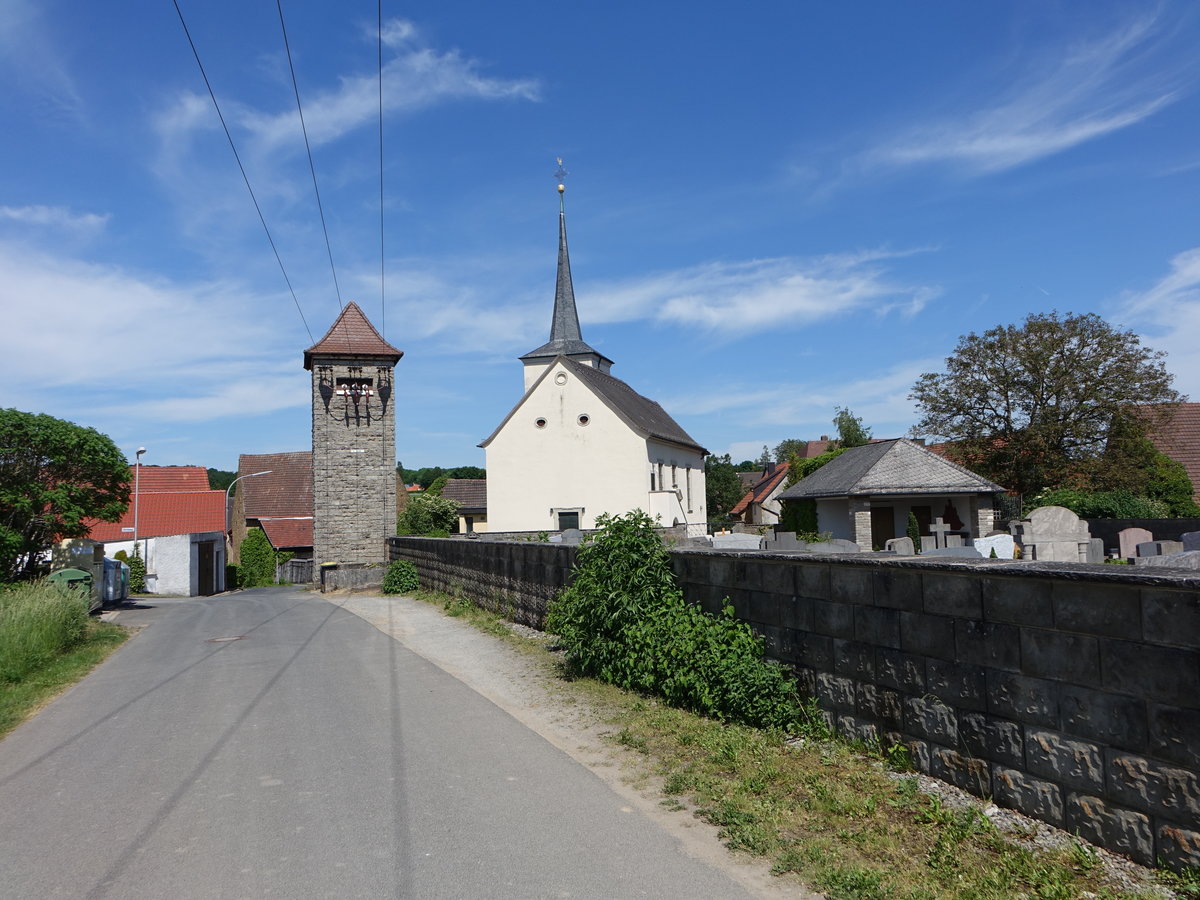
(19,700)
(826,812)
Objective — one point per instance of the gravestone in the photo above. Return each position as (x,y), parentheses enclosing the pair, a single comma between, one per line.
(737,542)
(928,542)
(1095,550)
(1188,559)
(1003,544)
(939,530)
(1159,548)
(837,545)
(783,541)
(955,552)
(903,546)
(1052,534)
(1128,540)
(571,536)
(1190,540)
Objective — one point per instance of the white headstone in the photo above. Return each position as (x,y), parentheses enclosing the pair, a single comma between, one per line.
(1003,544)
(737,542)
(837,545)
(903,546)
(1052,534)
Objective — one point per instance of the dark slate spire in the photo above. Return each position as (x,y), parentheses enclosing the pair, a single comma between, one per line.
(566,339)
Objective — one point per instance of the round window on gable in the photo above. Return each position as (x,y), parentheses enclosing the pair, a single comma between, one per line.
(539,422)
(560,378)
(584,419)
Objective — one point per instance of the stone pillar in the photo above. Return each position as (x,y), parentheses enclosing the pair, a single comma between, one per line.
(985,516)
(860,520)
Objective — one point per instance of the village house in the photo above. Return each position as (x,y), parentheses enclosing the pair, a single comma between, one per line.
(180,529)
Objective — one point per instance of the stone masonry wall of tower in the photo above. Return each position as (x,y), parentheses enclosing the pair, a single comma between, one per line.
(354,458)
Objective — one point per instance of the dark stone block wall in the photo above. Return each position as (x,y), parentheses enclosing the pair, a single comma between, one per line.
(1070,693)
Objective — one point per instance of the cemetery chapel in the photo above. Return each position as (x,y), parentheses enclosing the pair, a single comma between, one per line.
(580,442)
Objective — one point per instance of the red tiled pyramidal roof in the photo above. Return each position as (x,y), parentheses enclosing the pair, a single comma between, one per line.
(352,335)
(1178,437)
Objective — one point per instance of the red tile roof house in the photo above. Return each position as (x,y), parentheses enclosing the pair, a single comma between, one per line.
(1179,438)
(761,505)
(280,503)
(180,528)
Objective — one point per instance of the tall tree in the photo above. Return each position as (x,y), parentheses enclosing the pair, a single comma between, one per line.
(785,449)
(53,476)
(1031,405)
(850,429)
(723,488)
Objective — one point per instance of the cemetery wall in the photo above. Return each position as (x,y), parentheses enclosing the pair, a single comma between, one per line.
(1162,529)
(1070,693)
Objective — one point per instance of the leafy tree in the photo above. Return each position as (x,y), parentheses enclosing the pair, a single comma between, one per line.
(137,571)
(851,432)
(799,468)
(54,475)
(1119,504)
(723,488)
(748,465)
(764,459)
(439,484)
(219,479)
(427,514)
(1029,405)
(427,476)
(788,448)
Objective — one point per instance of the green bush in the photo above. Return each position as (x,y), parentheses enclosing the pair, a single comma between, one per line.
(428,513)
(401,578)
(913,530)
(38,621)
(257,567)
(1120,504)
(137,572)
(625,621)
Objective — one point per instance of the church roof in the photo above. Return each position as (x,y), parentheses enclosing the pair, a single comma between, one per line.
(565,337)
(889,467)
(642,413)
(352,335)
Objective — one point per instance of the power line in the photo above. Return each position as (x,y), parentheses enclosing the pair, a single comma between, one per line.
(379,60)
(312,168)
(242,168)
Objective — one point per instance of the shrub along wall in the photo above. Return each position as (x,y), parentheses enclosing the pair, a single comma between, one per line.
(1069,693)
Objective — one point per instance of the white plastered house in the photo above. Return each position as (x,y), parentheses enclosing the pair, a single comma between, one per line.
(581,442)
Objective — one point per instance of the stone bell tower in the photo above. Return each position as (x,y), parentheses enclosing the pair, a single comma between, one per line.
(353,441)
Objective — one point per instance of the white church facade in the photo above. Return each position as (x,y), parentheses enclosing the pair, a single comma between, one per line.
(581,442)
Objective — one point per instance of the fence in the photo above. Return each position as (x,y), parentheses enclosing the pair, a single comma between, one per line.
(1070,693)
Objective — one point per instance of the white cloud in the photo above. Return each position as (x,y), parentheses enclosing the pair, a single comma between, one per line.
(34,64)
(82,336)
(1087,91)
(54,217)
(744,297)
(417,77)
(1168,314)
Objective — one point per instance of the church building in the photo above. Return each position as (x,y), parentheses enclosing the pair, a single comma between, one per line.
(581,442)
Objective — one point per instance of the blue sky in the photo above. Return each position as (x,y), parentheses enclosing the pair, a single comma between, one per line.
(772,211)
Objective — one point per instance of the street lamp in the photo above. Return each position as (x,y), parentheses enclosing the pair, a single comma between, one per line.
(137,471)
(228,523)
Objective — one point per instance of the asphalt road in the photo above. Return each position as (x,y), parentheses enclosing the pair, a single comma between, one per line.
(269,744)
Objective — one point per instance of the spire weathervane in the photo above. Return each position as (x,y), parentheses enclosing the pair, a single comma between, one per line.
(560,174)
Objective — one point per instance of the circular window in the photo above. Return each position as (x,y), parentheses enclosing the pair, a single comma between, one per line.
(540,422)
(584,419)
(560,378)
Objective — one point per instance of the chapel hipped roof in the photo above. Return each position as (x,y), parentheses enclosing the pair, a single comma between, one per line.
(352,334)
(889,467)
